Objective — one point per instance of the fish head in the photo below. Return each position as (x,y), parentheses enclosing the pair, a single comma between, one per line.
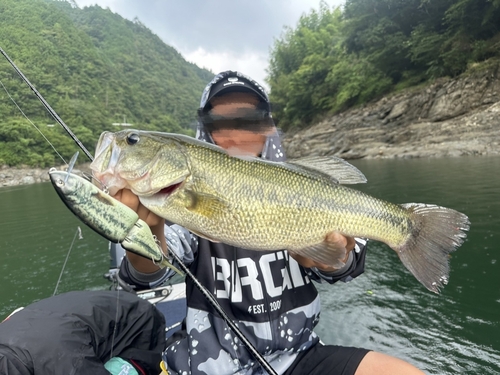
(65,183)
(145,162)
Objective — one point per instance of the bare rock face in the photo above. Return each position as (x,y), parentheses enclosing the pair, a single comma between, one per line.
(26,176)
(450,117)
(22,176)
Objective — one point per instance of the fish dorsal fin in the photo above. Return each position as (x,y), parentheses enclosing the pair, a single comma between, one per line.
(331,167)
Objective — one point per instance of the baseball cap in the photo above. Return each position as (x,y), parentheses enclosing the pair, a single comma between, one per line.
(232,81)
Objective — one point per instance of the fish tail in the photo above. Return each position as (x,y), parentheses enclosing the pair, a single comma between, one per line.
(435,232)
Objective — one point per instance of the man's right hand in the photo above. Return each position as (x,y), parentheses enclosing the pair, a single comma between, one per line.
(131,200)
(155,223)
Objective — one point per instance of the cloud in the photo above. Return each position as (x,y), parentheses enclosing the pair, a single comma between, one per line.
(250,63)
(217,34)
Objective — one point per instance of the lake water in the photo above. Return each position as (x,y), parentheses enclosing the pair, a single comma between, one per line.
(385,309)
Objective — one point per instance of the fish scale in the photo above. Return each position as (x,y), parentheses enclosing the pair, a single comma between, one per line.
(262,205)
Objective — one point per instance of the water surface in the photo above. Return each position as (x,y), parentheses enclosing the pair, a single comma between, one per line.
(385,309)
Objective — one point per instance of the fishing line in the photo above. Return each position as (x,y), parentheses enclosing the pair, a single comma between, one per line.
(116,323)
(31,122)
(13,188)
(71,164)
(79,232)
(70,167)
(47,106)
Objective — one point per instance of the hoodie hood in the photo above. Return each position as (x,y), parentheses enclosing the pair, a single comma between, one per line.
(231,81)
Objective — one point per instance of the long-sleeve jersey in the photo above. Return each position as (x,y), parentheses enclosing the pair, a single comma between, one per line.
(267,294)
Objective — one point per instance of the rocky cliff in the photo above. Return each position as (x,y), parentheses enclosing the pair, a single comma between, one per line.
(450,117)
(22,176)
(27,176)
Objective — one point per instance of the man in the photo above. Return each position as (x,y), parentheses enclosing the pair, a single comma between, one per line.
(83,332)
(269,295)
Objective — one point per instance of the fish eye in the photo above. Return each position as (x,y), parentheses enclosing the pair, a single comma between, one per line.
(132,138)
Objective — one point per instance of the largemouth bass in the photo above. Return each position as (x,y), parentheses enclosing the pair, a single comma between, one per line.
(262,205)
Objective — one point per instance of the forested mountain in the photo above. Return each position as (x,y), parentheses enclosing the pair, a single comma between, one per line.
(94,68)
(338,58)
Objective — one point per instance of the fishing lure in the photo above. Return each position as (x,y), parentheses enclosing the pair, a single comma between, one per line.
(107,216)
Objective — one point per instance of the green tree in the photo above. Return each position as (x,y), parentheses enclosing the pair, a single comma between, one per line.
(334,59)
(299,65)
(311,72)
(94,68)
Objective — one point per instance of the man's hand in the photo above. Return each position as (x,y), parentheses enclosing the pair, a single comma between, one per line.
(155,223)
(339,240)
(131,200)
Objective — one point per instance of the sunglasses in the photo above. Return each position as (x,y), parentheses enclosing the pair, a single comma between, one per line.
(241,118)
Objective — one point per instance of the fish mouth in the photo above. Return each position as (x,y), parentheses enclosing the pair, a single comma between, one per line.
(169,190)
(160,197)
(166,191)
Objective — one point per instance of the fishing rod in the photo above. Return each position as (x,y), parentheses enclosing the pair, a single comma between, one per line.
(202,289)
(48,107)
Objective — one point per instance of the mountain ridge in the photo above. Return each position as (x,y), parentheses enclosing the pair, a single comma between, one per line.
(94,68)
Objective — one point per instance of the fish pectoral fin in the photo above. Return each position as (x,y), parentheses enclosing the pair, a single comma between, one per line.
(331,167)
(328,253)
(204,204)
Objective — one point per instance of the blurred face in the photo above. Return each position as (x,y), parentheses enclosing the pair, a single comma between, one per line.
(237,141)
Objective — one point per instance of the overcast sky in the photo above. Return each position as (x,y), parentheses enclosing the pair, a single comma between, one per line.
(217,34)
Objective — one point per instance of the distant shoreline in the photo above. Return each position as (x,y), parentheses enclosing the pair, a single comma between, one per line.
(18,176)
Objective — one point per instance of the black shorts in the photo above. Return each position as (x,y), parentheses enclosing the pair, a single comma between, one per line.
(327,359)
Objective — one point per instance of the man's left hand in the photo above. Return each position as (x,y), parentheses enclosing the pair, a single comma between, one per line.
(339,240)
